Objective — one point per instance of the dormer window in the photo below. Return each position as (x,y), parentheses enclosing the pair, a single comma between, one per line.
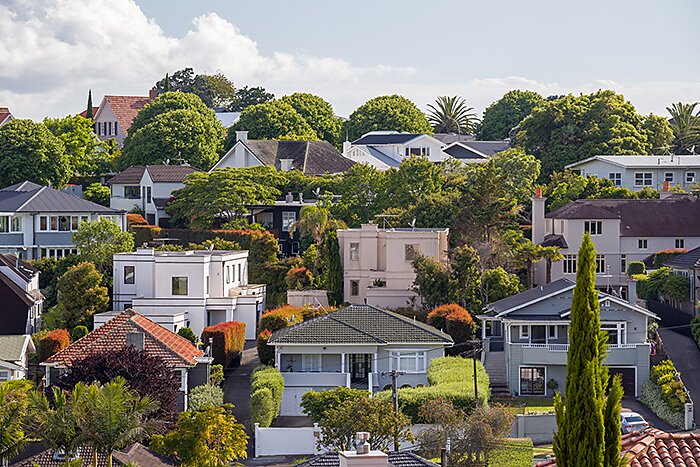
(286,165)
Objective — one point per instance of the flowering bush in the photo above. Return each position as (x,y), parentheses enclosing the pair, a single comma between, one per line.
(52,343)
(652,397)
(298,279)
(672,390)
(454,320)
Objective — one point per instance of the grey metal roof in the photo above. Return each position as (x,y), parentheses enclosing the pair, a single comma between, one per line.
(46,199)
(311,157)
(460,152)
(488,148)
(449,138)
(386,138)
(11,347)
(360,324)
(396,459)
(22,186)
(527,296)
(382,157)
(555,240)
(689,259)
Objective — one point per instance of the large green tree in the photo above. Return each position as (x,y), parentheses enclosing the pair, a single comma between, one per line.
(317,222)
(360,192)
(274,120)
(247,96)
(83,149)
(98,241)
(518,171)
(685,123)
(13,418)
(318,114)
(174,126)
(450,114)
(659,134)
(214,90)
(385,113)
(81,295)
(573,128)
(506,113)
(29,151)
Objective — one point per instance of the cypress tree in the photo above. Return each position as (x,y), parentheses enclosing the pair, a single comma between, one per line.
(166,86)
(334,281)
(88,111)
(613,431)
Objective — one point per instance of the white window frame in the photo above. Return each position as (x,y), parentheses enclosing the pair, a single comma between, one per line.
(623,264)
(549,332)
(228,274)
(600,265)
(314,364)
(616,178)
(690,177)
(524,331)
(644,242)
(419,358)
(668,177)
(53,222)
(5,375)
(641,179)
(288,218)
(358,288)
(680,243)
(354,251)
(520,379)
(569,264)
(133,274)
(620,327)
(594,228)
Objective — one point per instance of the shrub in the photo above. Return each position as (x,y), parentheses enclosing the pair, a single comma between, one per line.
(216,375)
(660,257)
(261,410)
(206,394)
(52,343)
(652,396)
(266,353)
(78,332)
(672,390)
(315,404)
(676,287)
(636,267)
(135,219)
(460,325)
(188,334)
(695,328)
(228,340)
(266,377)
(298,279)
(281,317)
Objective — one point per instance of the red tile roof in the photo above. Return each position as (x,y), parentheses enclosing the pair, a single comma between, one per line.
(84,112)
(176,351)
(125,108)
(656,448)
(4,114)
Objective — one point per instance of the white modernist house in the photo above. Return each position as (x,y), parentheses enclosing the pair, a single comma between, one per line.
(38,221)
(377,263)
(148,188)
(637,172)
(192,289)
(14,356)
(353,347)
(623,230)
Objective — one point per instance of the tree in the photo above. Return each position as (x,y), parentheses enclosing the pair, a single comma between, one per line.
(220,90)
(451,115)
(82,147)
(659,134)
(97,241)
(88,110)
(202,396)
(570,129)
(188,334)
(98,193)
(223,192)
(247,96)
(465,279)
(611,415)
(497,284)
(685,124)
(54,421)
(432,282)
(29,151)
(81,295)
(334,273)
(214,90)
(316,221)
(415,177)
(506,113)
(13,415)
(361,192)
(518,172)
(146,374)
(318,114)
(210,438)
(274,120)
(385,113)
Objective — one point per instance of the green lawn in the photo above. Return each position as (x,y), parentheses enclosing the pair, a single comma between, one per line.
(532,405)
(515,452)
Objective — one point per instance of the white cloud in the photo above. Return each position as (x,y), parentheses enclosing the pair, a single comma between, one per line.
(60,48)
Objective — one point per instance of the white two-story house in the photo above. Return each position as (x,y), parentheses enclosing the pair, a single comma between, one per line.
(195,289)
(353,347)
(386,149)
(21,300)
(623,230)
(378,263)
(637,172)
(148,188)
(115,114)
(38,221)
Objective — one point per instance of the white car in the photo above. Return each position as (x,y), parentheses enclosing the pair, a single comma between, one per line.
(632,421)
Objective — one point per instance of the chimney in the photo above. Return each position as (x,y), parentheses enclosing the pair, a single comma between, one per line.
(665,191)
(346,147)
(153,93)
(242,136)
(289,198)
(632,291)
(538,221)
(363,455)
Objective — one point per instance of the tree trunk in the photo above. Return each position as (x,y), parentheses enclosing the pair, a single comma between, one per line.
(530,274)
(549,271)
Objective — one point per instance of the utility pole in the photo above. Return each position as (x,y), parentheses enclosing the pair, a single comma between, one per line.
(395,398)
(474,343)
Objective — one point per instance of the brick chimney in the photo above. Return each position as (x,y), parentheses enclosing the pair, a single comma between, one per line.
(665,191)
(363,455)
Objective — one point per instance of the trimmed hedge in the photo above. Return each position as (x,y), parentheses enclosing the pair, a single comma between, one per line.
(216,375)
(135,219)
(315,404)
(78,332)
(672,390)
(265,378)
(206,394)
(660,257)
(695,328)
(188,334)
(636,267)
(652,396)
(228,340)
(261,410)
(52,343)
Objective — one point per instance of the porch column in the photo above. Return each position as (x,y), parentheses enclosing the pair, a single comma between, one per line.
(483,330)
(347,380)
(342,363)
(369,382)
(277,359)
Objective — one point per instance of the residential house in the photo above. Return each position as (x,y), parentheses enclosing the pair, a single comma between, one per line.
(623,230)
(449,138)
(386,149)
(148,188)
(688,265)
(195,289)
(14,356)
(353,347)
(526,339)
(129,328)
(310,157)
(115,114)
(638,172)
(378,263)
(38,221)
(21,299)
(469,152)
(5,115)
(135,455)
(372,458)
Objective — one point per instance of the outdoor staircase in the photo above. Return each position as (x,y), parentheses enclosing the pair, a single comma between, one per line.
(495,365)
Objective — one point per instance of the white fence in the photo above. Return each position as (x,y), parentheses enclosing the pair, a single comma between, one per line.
(286,441)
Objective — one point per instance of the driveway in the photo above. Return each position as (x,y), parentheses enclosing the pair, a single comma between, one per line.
(631,404)
(237,385)
(686,357)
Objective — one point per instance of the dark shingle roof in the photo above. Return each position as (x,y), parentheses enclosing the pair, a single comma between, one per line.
(16,198)
(311,157)
(527,296)
(360,324)
(688,259)
(130,175)
(555,240)
(396,459)
(476,149)
(460,152)
(158,173)
(21,268)
(386,138)
(449,138)
(675,216)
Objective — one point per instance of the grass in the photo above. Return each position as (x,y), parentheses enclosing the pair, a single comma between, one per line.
(533,405)
(515,452)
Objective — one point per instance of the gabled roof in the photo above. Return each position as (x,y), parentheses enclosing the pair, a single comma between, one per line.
(475,149)
(227,118)
(158,173)
(555,240)
(360,324)
(396,459)
(5,115)
(386,137)
(449,138)
(138,454)
(12,348)
(125,108)
(7,287)
(30,197)
(176,351)
(84,112)
(675,216)
(528,297)
(19,267)
(689,259)
(640,161)
(382,157)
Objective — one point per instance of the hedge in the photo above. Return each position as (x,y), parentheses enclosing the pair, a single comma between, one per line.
(672,390)
(261,410)
(652,396)
(660,257)
(206,394)
(52,343)
(228,340)
(512,452)
(78,332)
(662,283)
(135,219)
(263,380)
(316,403)
(636,267)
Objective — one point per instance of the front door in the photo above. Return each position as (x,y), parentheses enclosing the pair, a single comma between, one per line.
(360,366)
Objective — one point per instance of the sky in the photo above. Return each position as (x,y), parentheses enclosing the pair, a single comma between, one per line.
(347,52)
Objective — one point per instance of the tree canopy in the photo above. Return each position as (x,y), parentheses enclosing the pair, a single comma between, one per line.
(386,113)
(83,149)
(317,113)
(506,113)
(247,96)
(685,124)
(274,120)
(81,295)
(450,114)
(214,90)
(97,241)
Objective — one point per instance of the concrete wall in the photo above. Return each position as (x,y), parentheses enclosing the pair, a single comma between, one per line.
(307,297)
(540,428)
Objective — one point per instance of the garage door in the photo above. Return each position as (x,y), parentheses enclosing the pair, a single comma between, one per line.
(291,402)
(629,379)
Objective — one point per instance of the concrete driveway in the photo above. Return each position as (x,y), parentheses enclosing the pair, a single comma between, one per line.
(686,357)
(237,384)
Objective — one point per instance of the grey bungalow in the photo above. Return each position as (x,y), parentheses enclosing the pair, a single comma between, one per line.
(526,339)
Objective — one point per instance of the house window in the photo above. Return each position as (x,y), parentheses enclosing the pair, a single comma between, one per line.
(552,332)
(600,264)
(411,252)
(179,285)
(354,251)
(288,218)
(43,223)
(524,332)
(569,264)
(295,248)
(623,264)
(411,362)
(642,244)
(132,192)
(642,179)
(668,177)
(311,363)
(690,177)
(148,194)
(417,152)
(15,224)
(4,375)
(129,274)
(354,288)
(593,227)
(240,277)
(616,332)
(680,243)
(10,224)
(616,178)
(532,381)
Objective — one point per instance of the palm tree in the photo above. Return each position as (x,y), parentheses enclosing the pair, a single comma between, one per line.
(13,412)
(451,115)
(316,221)
(685,123)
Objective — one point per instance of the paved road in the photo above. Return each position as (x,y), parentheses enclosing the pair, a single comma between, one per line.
(237,384)
(686,357)
(629,403)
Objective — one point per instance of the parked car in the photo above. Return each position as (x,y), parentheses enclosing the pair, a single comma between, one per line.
(632,421)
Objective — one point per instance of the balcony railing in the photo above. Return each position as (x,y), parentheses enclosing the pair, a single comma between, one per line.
(565,347)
